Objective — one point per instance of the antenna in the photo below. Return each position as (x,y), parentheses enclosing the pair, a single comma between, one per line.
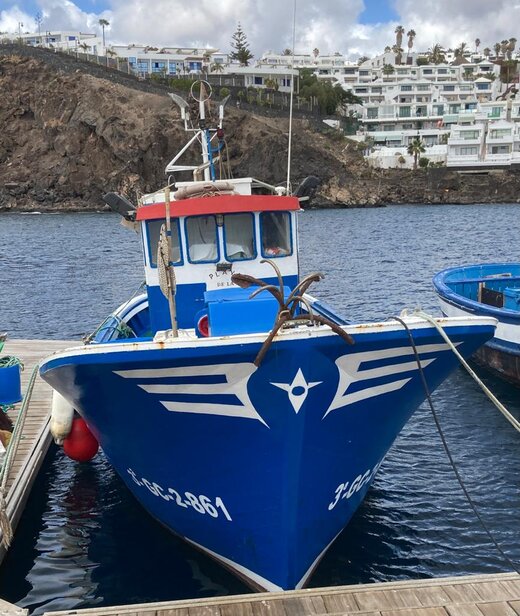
(289,149)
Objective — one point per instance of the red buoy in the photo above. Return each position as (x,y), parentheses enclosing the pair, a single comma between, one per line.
(203,326)
(80,445)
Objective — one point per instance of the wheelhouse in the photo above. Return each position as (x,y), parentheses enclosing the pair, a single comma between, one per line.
(218,229)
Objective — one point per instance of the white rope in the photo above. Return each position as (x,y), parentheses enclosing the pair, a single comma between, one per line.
(512,420)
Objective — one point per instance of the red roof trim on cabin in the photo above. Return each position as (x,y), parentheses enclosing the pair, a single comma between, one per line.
(220,204)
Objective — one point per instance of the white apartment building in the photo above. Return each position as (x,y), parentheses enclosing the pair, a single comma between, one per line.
(189,61)
(330,66)
(487,144)
(148,60)
(263,77)
(64,40)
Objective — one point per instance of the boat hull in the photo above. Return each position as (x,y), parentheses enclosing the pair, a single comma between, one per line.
(260,467)
(501,354)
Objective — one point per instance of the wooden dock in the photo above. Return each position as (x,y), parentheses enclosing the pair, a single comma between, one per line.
(484,595)
(35,436)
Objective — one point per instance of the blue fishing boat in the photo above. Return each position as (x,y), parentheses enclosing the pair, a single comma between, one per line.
(245,414)
(489,289)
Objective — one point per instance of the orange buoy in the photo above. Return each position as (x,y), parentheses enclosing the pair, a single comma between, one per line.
(80,445)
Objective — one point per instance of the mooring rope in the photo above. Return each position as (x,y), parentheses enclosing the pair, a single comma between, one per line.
(12,448)
(510,418)
(8,361)
(458,476)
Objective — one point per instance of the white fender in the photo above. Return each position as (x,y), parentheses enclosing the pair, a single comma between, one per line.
(62,414)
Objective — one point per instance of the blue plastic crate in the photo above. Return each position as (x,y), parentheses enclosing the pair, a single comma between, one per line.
(231,311)
(10,384)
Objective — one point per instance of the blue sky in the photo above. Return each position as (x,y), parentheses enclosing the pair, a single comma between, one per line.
(378,11)
(93,5)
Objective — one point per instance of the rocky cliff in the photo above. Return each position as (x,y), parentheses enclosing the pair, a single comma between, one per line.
(69,133)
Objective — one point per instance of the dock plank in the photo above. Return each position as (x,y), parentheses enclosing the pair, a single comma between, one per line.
(340,603)
(500,608)
(35,436)
(463,609)
(268,608)
(416,611)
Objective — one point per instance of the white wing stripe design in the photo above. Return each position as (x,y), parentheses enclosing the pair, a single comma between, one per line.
(350,372)
(209,408)
(236,377)
(188,388)
(187,371)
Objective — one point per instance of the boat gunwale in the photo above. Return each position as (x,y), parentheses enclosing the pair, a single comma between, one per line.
(320,331)
(504,315)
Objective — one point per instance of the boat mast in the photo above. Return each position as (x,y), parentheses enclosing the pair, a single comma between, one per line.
(207,159)
(203,134)
(289,150)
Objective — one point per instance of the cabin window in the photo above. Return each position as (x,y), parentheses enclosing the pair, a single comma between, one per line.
(239,237)
(154,231)
(201,233)
(276,234)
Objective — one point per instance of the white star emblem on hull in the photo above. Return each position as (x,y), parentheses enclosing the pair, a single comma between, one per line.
(299,382)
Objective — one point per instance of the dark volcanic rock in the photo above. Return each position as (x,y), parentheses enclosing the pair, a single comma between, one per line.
(70,132)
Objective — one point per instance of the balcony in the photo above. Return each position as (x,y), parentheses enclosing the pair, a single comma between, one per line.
(499,158)
(458,140)
(466,159)
(501,139)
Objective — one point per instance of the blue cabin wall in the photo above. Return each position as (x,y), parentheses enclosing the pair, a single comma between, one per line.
(189,301)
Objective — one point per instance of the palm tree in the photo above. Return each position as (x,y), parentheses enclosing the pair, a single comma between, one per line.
(503,46)
(411,35)
(110,53)
(436,54)
(497,47)
(398,53)
(415,148)
(217,67)
(399,31)
(388,49)
(477,44)
(388,70)
(510,48)
(487,52)
(103,23)
(85,48)
(459,52)
(315,52)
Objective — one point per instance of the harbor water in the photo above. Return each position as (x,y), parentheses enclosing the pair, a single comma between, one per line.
(85,542)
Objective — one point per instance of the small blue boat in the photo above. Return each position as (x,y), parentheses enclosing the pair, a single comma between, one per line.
(489,289)
(245,415)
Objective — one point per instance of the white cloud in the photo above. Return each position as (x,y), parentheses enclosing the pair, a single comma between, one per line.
(330,25)
(450,22)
